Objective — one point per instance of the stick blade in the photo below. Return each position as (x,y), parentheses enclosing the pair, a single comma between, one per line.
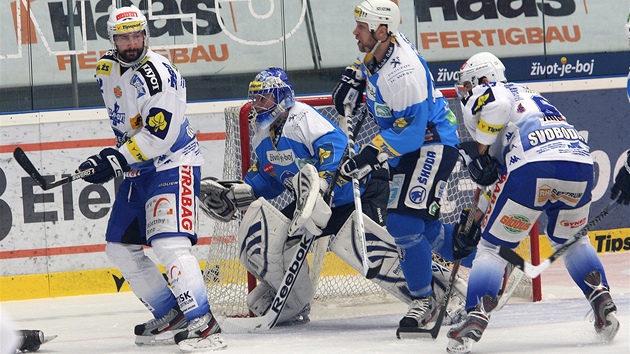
(240,325)
(27,165)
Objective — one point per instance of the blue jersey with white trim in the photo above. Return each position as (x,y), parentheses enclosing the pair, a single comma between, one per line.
(306,136)
(402,97)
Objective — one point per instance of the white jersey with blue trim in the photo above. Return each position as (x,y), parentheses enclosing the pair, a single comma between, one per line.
(146,104)
(305,136)
(521,125)
(402,97)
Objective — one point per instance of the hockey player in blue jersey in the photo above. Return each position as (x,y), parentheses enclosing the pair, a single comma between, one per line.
(546,167)
(417,139)
(289,135)
(156,203)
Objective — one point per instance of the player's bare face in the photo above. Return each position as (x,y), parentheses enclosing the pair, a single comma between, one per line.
(130,45)
(365,40)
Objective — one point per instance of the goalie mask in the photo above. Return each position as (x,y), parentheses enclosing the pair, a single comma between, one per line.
(271,94)
(479,66)
(378,12)
(125,26)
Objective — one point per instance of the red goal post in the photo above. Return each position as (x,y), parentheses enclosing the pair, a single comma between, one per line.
(227,280)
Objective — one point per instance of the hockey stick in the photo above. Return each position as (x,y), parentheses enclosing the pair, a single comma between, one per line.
(359,227)
(435,330)
(27,165)
(533,271)
(268,320)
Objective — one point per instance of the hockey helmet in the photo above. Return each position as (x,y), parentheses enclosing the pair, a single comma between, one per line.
(378,12)
(271,93)
(124,20)
(480,65)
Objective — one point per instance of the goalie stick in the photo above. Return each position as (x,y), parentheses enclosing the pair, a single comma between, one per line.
(264,323)
(359,226)
(533,271)
(27,165)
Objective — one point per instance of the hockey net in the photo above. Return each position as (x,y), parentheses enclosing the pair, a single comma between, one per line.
(228,282)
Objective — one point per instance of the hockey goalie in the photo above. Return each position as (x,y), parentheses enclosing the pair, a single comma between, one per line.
(268,241)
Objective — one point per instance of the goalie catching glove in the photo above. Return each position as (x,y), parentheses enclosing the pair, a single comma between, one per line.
(621,188)
(349,90)
(311,211)
(368,159)
(220,200)
(465,241)
(482,168)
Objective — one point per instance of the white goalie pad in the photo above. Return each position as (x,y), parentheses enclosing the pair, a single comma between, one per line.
(382,250)
(262,237)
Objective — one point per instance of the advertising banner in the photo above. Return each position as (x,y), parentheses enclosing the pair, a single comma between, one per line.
(559,38)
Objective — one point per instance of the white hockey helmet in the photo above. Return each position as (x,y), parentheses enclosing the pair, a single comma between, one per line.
(272,81)
(480,65)
(378,12)
(627,27)
(128,19)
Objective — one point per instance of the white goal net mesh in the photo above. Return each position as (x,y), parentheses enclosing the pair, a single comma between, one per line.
(227,280)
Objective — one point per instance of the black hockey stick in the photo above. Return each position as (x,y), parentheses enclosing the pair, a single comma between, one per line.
(533,271)
(27,165)
(435,330)
(268,320)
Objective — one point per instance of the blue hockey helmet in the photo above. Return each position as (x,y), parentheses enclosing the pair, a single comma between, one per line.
(271,93)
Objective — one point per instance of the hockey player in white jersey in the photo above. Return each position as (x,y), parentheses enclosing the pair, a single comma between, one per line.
(156,204)
(417,138)
(546,167)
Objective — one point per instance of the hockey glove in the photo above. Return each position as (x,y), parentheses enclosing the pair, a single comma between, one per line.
(621,189)
(220,201)
(368,159)
(349,90)
(483,169)
(109,163)
(465,241)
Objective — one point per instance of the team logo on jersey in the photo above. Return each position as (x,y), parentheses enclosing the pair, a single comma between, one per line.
(137,82)
(325,153)
(281,158)
(151,77)
(187,219)
(520,108)
(115,116)
(103,68)
(482,100)
(159,122)
(515,223)
(417,194)
(136,122)
(118,92)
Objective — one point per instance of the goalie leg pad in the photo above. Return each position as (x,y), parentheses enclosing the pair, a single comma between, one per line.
(455,311)
(381,248)
(264,252)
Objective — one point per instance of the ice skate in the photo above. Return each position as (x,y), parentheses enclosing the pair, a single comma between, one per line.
(160,331)
(32,340)
(421,312)
(203,334)
(604,309)
(462,337)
